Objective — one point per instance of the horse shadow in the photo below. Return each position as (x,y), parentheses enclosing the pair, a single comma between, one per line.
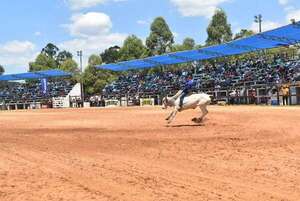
(184,125)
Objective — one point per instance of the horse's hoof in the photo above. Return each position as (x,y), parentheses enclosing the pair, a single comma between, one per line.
(199,120)
(194,119)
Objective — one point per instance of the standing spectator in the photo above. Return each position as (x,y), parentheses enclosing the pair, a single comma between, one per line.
(285,90)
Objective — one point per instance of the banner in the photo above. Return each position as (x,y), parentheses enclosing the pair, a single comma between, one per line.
(44,86)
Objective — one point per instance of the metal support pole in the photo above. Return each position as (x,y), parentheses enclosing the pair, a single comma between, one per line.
(79,54)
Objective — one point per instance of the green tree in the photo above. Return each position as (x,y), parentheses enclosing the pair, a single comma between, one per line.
(70,65)
(177,48)
(133,48)
(63,56)
(50,50)
(94,79)
(243,34)
(94,60)
(218,30)
(42,62)
(198,47)
(188,44)
(160,38)
(2,70)
(111,55)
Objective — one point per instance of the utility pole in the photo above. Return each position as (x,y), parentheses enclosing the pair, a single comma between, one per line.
(79,54)
(258,19)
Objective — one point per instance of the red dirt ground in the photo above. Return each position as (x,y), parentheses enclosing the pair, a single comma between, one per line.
(238,153)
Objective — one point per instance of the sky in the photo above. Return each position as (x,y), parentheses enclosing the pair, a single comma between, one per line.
(94,25)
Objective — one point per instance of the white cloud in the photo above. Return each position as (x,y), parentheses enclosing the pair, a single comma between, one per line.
(92,34)
(293,14)
(283,2)
(89,24)
(204,8)
(142,22)
(80,4)
(266,26)
(92,45)
(37,33)
(291,11)
(15,55)
(16,47)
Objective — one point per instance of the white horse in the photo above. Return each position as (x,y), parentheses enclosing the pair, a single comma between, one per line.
(190,102)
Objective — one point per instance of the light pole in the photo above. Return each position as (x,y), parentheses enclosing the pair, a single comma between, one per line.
(79,54)
(258,19)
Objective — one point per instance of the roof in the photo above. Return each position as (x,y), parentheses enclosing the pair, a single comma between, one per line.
(35,75)
(283,36)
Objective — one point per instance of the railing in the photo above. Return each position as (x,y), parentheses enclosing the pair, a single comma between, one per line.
(247,94)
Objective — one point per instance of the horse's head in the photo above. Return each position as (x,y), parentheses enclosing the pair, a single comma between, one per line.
(165,103)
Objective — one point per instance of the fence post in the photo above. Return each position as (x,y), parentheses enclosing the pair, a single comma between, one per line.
(278,98)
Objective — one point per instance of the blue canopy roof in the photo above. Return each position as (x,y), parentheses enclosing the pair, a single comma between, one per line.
(35,75)
(283,36)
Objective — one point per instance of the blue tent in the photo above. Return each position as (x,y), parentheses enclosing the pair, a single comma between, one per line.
(35,75)
(283,36)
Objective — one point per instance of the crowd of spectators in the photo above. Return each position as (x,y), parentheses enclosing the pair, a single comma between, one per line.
(32,90)
(139,83)
(227,75)
(212,76)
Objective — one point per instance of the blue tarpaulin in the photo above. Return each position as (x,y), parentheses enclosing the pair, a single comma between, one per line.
(283,36)
(35,75)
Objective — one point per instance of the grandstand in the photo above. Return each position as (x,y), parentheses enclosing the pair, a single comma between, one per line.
(31,94)
(259,74)
(256,80)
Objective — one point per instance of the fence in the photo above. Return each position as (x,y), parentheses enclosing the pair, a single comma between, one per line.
(247,94)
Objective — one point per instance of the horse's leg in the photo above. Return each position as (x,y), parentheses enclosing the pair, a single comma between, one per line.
(174,113)
(204,112)
(170,115)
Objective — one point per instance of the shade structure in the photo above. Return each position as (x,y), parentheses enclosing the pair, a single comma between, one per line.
(283,36)
(35,75)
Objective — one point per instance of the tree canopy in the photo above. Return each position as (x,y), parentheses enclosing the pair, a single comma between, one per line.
(111,55)
(2,70)
(218,30)
(188,44)
(70,65)
(42,62)
(51,58)
(161,38)
(243,34)
(95,80)
(50,50)
(63,56)
(133,48)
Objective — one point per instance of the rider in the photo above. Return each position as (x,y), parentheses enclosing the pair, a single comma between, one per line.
(189,84)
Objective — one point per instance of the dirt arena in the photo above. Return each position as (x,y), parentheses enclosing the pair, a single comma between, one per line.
(238,153)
